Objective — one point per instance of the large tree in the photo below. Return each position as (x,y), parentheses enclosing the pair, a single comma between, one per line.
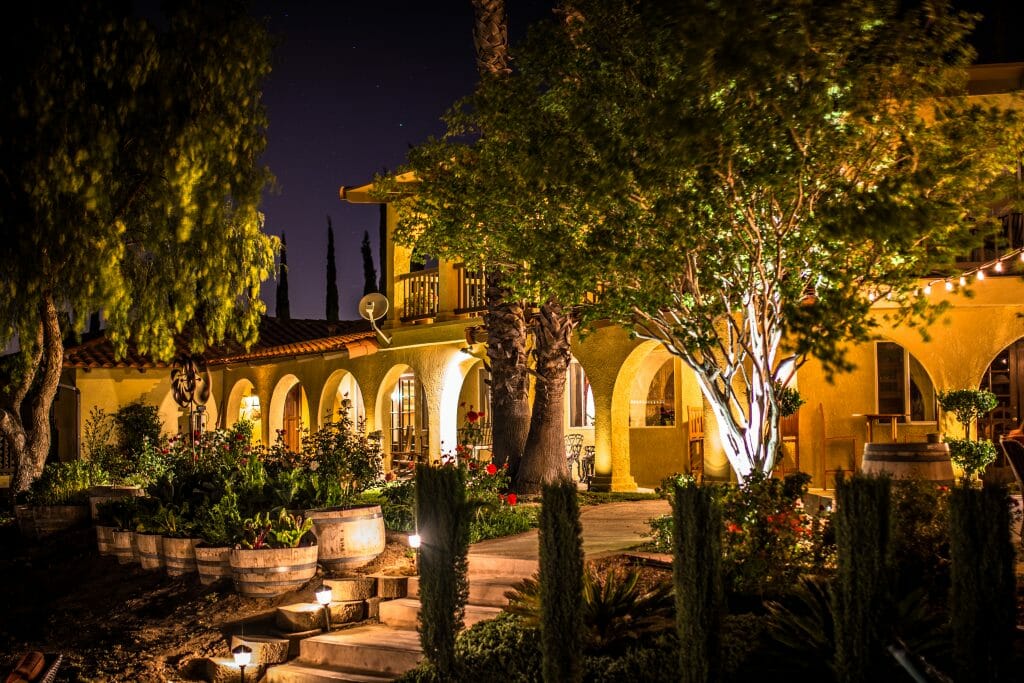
(740,180)
(129,182)
(332,277)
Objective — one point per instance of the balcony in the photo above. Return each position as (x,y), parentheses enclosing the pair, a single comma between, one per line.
(1009,236)
(472,290)
(419,294)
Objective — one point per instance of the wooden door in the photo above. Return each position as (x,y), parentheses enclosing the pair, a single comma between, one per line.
(1005,379)
(292,423)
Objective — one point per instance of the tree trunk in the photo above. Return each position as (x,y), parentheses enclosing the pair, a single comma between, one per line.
(510,381)
(30,442)
(544,457)
(490,36)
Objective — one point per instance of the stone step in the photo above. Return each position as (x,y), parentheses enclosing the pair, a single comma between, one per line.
(402,613)
(352,588)
(265,649)
(483,590)
(497,565)
(374,648)
(297,672)
(303,616)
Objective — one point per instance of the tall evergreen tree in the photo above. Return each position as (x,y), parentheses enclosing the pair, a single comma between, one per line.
(382,235)
(561,583)
(369,272)
(283,310)
(332,276)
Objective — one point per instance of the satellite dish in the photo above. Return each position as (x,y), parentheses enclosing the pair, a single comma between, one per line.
(373,307)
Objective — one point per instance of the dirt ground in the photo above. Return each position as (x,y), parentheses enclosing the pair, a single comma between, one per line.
(121,623)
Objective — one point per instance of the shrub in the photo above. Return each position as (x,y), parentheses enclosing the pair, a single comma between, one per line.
(66,483)
(495,521)
(274,531)
(920,537)
(971,456)
(398,506)
(561,582)
(346,461)
(136,423)
(968,405)
(118,512)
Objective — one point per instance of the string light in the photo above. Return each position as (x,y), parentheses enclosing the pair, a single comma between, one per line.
(949,286)
(981,274)
(978,273)
(999,266)
(927,289)
(963,281)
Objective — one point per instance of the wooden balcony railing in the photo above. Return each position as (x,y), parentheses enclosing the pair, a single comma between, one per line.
(420,293)
(1007,237)
(472,290)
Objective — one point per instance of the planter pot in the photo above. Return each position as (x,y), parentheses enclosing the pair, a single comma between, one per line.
(52,519)
(101,494)
(348,537)
(150,550)
(26,517)
(928,461)
(105,539)
(213,564)
(123,542)
(268,573)
(180,555)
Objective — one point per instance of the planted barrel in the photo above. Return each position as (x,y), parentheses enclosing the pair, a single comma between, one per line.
(270,572)
(105,539)
(927,461)
(213,564)
(52,519)
(348,537)
(101,494)
(26,517)
(150,550)
(180,556)
(123,542)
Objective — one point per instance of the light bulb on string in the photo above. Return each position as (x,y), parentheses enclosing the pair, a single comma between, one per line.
(980,275)
(927,290)
(1022,256)
(949,286)
(999,266)
(963,281)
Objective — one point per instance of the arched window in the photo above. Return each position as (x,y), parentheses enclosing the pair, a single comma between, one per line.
(581,397)
(903,386)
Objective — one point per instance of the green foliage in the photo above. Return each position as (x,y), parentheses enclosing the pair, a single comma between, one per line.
(398,505)
(443,520)
(119,512)
(561,583)
(789,399)
(66,483)
(585,498)
(136,423)
(983,591)
(172,521)
(344,459)
(968,405)
(972,456)
(495,521)
(125,443)
(920,537)
(862,594)
(219,524)
(697,576)
(267,530)
(97,435)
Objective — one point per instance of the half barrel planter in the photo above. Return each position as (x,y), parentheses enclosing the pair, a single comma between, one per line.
(270,572)
(105,539)
(151,553)
(180,555)
(52,519)
(348,538)
(26,517)
(101,494)
(926,461)
(213,564)
(122,546)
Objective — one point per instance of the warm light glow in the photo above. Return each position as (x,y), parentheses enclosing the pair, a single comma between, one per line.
(324,595)
(396,395)
(414,541)
(927,289)
(249,409)
(999,266)
(242,655)
(981,275)
(963,281)
(949,286)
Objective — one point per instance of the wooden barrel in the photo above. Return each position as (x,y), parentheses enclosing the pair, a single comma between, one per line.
(52,519)
(105,539)
(213,564)
(101,494)
(927,461)
(26,517)
(123,542)
(180,555)
(348,537)
(270,572)
(150,547)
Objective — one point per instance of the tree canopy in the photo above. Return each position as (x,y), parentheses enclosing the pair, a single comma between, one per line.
(130,182)
(741,180)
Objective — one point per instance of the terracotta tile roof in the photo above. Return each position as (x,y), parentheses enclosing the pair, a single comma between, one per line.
(277,339)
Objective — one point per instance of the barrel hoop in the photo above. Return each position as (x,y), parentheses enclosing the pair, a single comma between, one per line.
(896,459)
(342,561)
(149,556)
(273,570)
(269,584)
(213,563)
(348,520)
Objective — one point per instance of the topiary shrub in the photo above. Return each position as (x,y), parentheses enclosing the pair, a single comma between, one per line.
(561,583)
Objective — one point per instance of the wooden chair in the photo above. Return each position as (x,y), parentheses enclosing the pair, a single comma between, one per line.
(1014,451)
(850,465)
(789,432)
(405,457)
(573,447)
(695,440)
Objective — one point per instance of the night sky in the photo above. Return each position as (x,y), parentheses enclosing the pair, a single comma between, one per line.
(356,83)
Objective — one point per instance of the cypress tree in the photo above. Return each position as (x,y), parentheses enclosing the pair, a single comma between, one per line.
(697,573)
(282,309)
(443,522)
(369,272)
(332,276)
(382,234)
(861,597)
(982,590)
(561,583)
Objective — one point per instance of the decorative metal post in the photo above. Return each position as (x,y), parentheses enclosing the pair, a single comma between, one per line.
(190,387)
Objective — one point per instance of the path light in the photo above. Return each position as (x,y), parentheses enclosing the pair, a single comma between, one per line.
(324,597)
(242,655)
(414,542)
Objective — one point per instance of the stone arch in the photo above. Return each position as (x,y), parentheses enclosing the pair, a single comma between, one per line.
(278,401)
(1004,377)
(918,377)
(388,394)
(450,412)
(339,385)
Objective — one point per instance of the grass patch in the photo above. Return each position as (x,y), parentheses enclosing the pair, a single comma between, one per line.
(595,498)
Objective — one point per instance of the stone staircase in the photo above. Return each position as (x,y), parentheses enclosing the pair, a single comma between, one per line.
(381,652)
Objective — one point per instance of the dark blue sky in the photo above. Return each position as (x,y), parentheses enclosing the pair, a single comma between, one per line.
(354,85)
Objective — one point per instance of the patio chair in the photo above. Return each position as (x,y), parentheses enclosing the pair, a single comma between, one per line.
(789,432)
(573,447)
(841,467)
(695,440)
(1014,451)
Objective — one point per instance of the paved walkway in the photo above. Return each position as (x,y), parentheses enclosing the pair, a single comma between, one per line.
(608,528)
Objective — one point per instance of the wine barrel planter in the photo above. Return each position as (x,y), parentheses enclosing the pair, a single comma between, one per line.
(150,550)
(101,494)
(105,539)
(52,519)
(180,555)
(213,564)
(348,537)
(927,461)
(123,542)
(26,517)
(270,572)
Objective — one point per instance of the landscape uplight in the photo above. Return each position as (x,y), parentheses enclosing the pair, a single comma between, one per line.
(243,656)
(324,597)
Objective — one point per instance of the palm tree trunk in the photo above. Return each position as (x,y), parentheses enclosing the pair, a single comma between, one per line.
(510,380)
(490,36)
(544,457)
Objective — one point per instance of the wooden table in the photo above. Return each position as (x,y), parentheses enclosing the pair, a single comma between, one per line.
(871,418)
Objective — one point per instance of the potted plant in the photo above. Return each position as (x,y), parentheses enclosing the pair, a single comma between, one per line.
(58,499)
(122,469)
(270,558)
(123,516)
(178,544)
(217,525)
(148,529)
(972,456)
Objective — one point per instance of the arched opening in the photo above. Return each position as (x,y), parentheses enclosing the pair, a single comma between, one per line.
(402,413)
(289,412)
(342,395)
(474,431)
(902,385)
(1004,377)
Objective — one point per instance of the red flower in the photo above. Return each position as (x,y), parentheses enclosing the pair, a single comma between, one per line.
(472,465)
(239,437)
(491,469)
(472,416)
(732,528)
(512,499)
